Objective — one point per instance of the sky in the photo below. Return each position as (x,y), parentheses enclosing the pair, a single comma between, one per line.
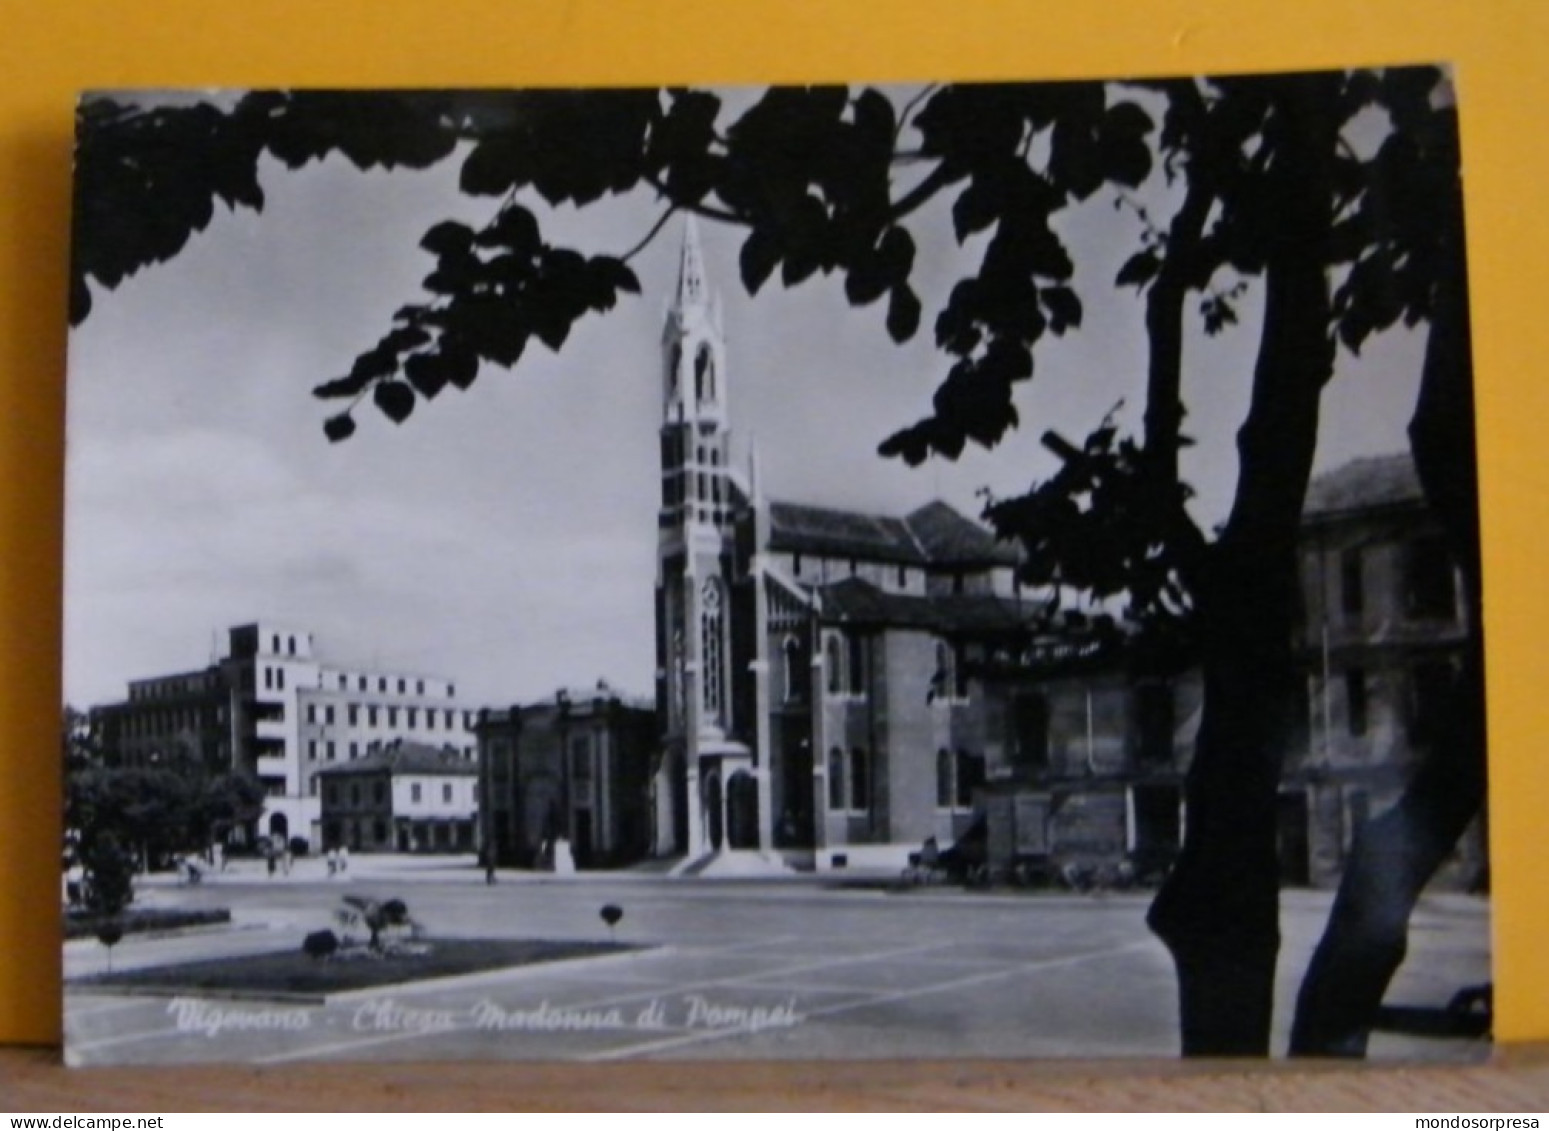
(505,536)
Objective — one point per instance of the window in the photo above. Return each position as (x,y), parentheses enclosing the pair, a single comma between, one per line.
(330,751)
(381,683)
(857,665)
(328,714)
(355,794)
(581,760)
(379,831)
(419,687)
(379,792)
(1355,701)
(449,720)
(362,683)
(712,622)
(836,793)
(945,784)
(269,678)
(1352,588)
(1030,720)
(430,720)
(276,642)
(392,716)
(451,691)
(860,781)
(279,679)
(446,792)
(414,792)
(403,686)
(291,645)
(1428,586)
(795,678)
(312,750)
(371,716)
(354,715)
(413,713)
(970,776)
(311,712)
(354,751)
(834,661)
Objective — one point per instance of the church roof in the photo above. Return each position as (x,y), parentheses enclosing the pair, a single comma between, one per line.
(401,757)
(935,534)
(859,602)
(1371,483)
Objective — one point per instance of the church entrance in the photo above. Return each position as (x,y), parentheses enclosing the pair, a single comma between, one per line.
(741,810)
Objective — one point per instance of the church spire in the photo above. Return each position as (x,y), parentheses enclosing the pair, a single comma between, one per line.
(691,268)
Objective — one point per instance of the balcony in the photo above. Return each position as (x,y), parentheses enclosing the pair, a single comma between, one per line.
(271,767)
(270,729)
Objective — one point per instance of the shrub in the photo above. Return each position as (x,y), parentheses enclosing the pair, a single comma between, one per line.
(320,944)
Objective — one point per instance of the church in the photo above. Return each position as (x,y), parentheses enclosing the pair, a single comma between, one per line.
(812,664)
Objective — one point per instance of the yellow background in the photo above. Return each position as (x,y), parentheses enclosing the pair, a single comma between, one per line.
(51,50)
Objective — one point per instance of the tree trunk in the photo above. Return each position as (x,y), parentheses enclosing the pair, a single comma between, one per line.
(1218,911)
(1397,854)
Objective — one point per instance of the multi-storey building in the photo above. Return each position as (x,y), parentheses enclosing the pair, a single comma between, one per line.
(271,708)
(1384,629)
(574,769)
(401,797)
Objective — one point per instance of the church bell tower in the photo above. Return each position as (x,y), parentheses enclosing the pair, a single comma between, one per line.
(694,544)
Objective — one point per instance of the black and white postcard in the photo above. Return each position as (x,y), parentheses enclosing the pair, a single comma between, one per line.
(931,571)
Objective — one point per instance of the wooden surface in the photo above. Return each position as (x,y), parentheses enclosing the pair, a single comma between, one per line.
(33,1080)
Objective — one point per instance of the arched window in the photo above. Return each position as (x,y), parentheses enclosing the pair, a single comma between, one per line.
(712,622)
(942,682)
(836,792)
(860,781)
(946,787)
(857,665)
(704,375)
(795,678)
(834,660)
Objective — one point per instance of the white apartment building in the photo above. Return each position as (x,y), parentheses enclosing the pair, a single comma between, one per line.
(271,707)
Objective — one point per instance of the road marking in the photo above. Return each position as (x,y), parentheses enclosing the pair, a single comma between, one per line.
(704,1035)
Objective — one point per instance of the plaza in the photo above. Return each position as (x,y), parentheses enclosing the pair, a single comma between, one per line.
(802,969)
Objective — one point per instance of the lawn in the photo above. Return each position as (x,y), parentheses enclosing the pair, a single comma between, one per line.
(292,975)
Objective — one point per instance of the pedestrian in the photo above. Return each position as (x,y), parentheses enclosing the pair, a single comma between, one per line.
(333,862)
(344,859)
(489,866)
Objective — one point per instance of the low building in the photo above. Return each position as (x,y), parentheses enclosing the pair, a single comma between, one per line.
(576,768)
(401,797)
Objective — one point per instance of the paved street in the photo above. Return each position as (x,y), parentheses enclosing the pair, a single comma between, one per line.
(729,969)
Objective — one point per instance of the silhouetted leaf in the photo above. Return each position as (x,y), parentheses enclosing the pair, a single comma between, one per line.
(340,427)
(1139,269)
(395,399)
(903,313)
